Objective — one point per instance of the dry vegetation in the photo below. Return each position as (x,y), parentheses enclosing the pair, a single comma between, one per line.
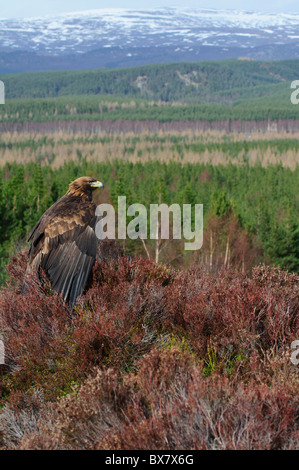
(152,358)
(212,147)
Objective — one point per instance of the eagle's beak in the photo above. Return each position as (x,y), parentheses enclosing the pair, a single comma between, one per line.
(97,184)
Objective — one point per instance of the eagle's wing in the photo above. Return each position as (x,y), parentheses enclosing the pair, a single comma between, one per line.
(64,244)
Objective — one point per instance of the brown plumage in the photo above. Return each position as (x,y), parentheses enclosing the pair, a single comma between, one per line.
(64,243)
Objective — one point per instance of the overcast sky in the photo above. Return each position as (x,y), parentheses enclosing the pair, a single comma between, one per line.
(29,8)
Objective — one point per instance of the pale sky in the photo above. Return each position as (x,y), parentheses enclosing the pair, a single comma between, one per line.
(31,8)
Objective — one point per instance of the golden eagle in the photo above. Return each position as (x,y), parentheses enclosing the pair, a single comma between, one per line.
(64,243)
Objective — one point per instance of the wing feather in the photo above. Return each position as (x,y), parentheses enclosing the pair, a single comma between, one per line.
(64,244)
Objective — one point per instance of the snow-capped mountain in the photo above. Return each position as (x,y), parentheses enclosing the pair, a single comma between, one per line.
(121,37)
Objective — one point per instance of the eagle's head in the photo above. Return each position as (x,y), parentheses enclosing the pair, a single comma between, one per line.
(84,187)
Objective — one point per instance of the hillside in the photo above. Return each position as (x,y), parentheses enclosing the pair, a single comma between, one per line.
(200,82)
(152,358)
(209,91)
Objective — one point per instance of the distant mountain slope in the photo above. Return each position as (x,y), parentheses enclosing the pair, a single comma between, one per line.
(120,37)
(223,82)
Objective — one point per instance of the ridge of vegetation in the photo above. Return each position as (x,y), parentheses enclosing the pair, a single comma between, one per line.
(229,89)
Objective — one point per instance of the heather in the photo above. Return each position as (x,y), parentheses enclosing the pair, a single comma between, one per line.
(152,357)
